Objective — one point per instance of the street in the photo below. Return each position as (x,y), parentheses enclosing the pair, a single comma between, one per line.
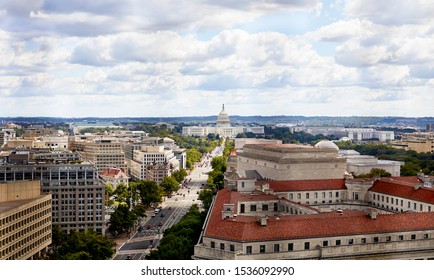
(150,229)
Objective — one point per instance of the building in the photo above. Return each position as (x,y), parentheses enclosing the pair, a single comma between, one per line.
(292,162)
(101,152)
(362,164)
(153,163)
(421,142)
(387,218)
(240,142)
(77,195)
(6,134)
(222,128)
(25,221)
(114,177)
(354,134)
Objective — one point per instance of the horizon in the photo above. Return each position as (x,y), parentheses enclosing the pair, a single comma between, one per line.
(171,58)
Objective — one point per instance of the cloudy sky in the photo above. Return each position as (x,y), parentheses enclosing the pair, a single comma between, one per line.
(133,58)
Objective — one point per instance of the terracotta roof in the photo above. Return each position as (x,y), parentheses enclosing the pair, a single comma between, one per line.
(309,226)
(306,185)
(404,190)
(113,172)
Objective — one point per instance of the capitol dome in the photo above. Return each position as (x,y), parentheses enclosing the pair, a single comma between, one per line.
(223,118)
(326,144)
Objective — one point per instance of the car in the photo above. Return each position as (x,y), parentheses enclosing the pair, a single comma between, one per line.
(153,215)
(129,257)
(140,228)
(170,208)
(149,226)
(162,215)
(160,224)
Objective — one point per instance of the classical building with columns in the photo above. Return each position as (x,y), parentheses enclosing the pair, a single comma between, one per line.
(223,128)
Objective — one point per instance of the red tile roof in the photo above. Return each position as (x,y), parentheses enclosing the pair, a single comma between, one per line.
(307,185)
(403,189)
(244,228)
(113,172)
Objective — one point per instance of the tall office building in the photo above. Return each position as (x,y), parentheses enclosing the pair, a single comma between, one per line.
(77,195)
(25,220)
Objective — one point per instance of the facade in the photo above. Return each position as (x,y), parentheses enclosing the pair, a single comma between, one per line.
(25,221)
(114,177)
(353,134)
(103,153)
(77,195)
(362,164)
(223,128)
(291,162)
(387,218)
(6,134)
(421,142)
(153,163)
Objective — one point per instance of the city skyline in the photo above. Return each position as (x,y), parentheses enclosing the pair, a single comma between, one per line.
(186,58)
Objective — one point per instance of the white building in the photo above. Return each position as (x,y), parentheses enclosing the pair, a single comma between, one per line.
(223,128)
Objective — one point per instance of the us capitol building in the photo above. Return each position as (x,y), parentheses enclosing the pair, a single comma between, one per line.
(223,128)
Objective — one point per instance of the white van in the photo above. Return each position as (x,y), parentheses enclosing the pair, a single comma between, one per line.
(157,210)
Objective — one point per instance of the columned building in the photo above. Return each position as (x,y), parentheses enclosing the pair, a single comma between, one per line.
(223,128)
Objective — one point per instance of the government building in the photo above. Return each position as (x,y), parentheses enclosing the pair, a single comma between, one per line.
(303,209)
(222,128)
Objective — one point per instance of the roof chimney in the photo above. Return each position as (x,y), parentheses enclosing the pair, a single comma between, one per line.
(263,221)
(373,213)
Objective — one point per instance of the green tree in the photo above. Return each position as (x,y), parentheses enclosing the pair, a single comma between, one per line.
(375,172)
(206,197)
(84,245)
(179,175)
(410,169)
(169,184)
(122,219)
(149,192)
(219,163)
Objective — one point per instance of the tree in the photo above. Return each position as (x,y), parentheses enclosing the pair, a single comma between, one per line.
(122,219)
(169,185)
(206,197)
(410,169)
(84,245)
(375,172)
(179,175)
(219,163)
(149,192)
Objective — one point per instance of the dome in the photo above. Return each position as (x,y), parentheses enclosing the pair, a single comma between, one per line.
(223,118)
(326,144)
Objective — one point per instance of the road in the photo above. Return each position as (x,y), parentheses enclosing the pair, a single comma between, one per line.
(172,210)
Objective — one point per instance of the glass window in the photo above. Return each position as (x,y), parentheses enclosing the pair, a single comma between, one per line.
(338,242)
(232,248)
(363,240)
(307,195)
(376,239)
(253,207)
(212,244)
(290,246)
(261,248)
(306,245)
(413,236)
(276,247)
(222,246)
(325,243)
(350,241)
(401,237)
(248,249)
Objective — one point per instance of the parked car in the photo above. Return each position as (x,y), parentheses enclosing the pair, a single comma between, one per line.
(160,224)
(162,215)
(149,226)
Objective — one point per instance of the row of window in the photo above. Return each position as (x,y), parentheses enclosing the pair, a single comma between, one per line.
(315,195)
(25,212)
(32,242)
(23,231)
(379,200)
(278,247)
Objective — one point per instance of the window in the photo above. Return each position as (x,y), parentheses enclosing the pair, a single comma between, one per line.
(275,207)
(306,245)
(325,243)
(425,236)
(388,238)
(248,250)
(222,246)
(232,248)
(276,247)
(350,241)
(261,249)
(374,196)
(264,207)
(401,237)
(421,208)
(413,236)
(242,184)
(212,244)
(376,239)
(291,196)
(290,246)
(315,195)
(253,208)
(337,194)
(387,199)
(338,242)
(242,210)
(307,195)
(355,196)
(363,240)
(323,195)
(299,196)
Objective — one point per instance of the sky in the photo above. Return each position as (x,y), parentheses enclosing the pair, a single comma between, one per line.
(167,58)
